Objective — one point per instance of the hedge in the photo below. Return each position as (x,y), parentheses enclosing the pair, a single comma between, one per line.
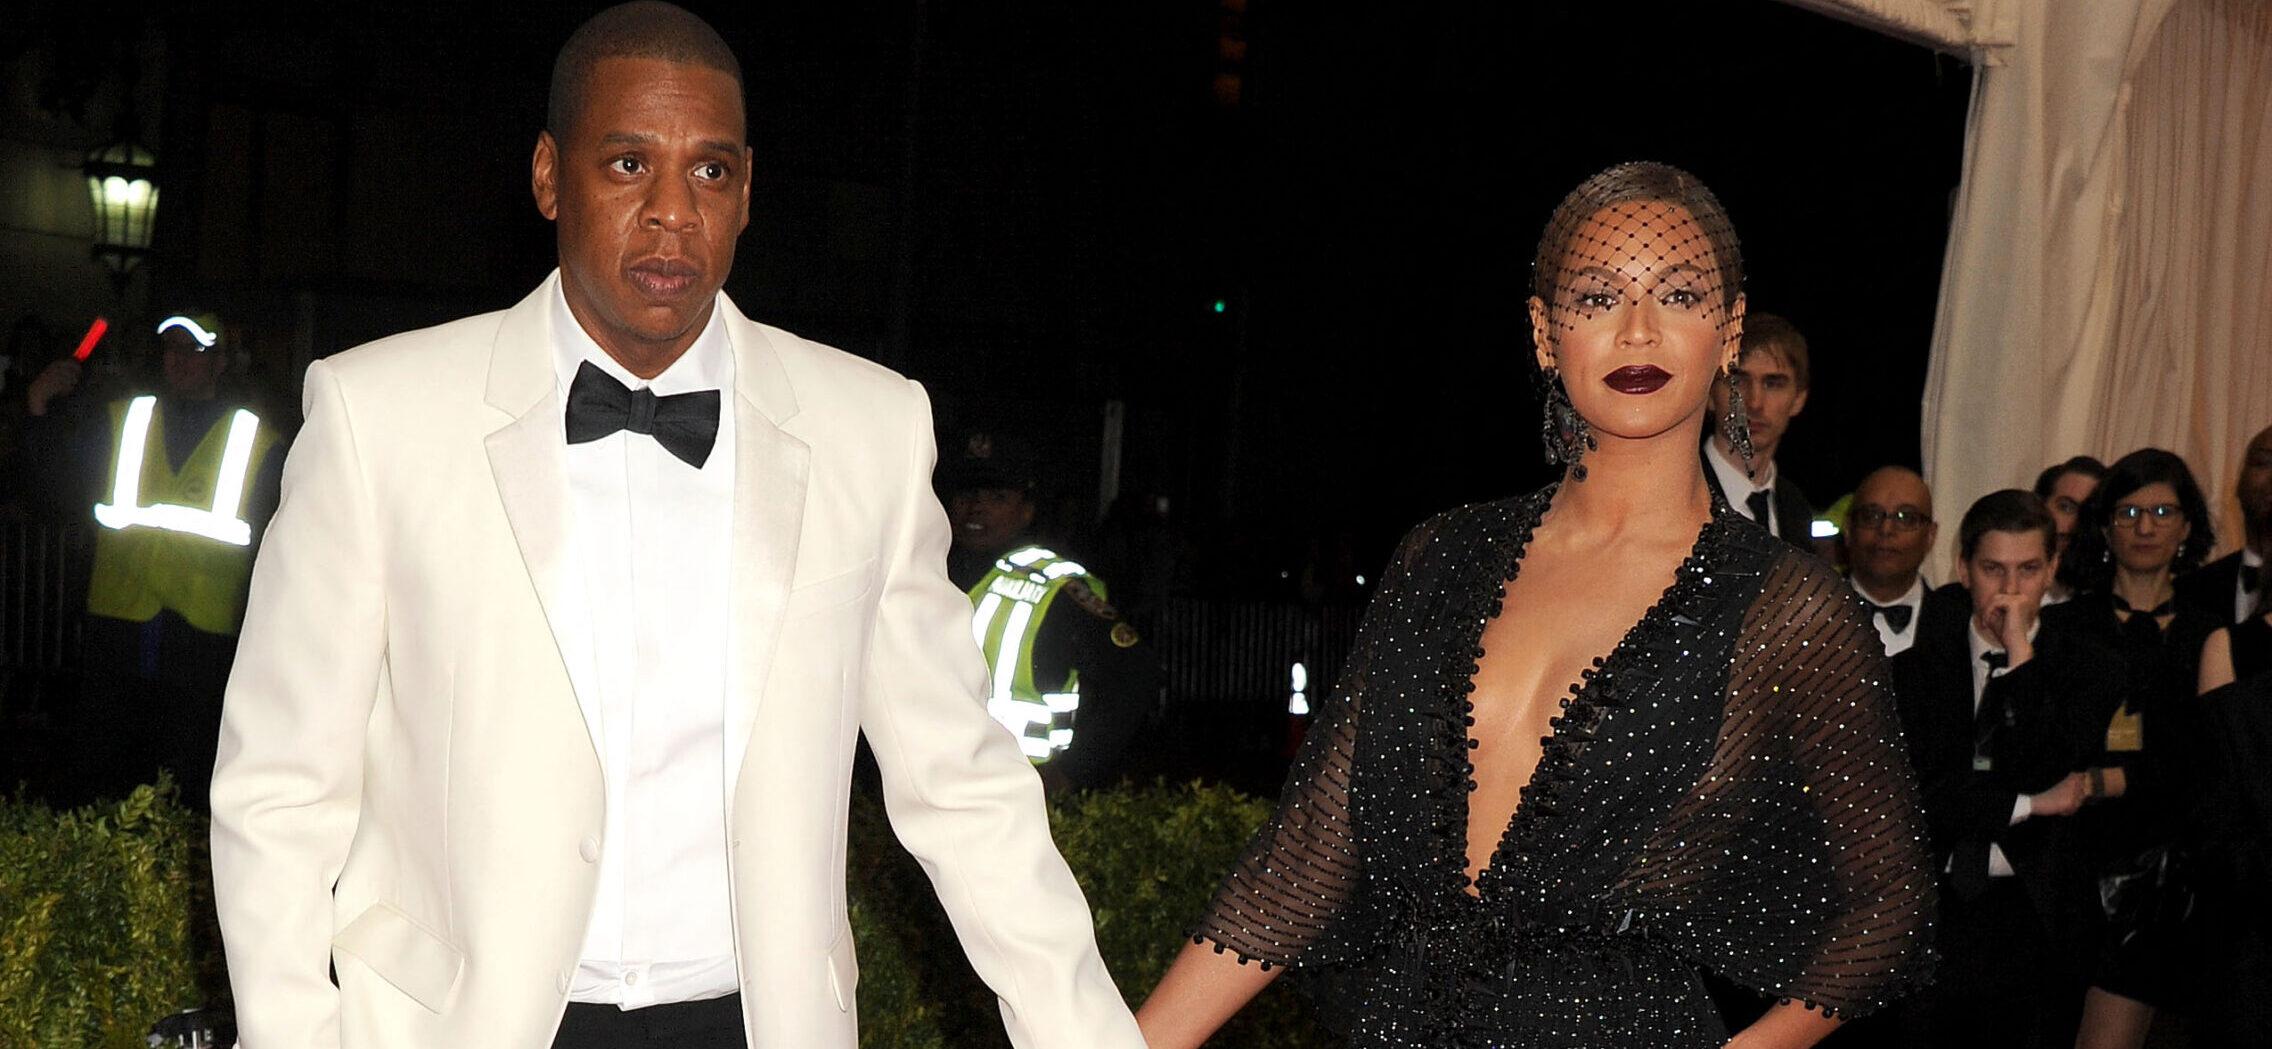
(105,918)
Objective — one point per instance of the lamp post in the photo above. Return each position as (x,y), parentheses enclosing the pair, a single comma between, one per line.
(122,184)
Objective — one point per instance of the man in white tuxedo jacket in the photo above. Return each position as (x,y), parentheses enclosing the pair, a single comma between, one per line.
(559,643)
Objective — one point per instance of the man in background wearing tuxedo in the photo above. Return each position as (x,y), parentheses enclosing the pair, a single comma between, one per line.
(1889,528)
(1771,376)
(1998,721)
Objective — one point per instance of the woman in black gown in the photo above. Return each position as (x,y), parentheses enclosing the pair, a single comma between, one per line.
(1595,739)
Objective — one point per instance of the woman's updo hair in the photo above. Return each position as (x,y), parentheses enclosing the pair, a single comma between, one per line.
(1641,182)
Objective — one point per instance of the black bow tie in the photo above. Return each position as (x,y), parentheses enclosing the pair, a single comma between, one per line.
(685,424)
(1896,616)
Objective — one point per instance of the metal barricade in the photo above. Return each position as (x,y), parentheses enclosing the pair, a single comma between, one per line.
(43,573)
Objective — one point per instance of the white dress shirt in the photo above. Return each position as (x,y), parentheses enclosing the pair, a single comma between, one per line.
(1998,865)
(1739,486)
(2248,602)
(652,535)
(1898,641)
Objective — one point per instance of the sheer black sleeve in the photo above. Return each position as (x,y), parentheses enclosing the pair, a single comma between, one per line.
(1799,862)
(1294,879)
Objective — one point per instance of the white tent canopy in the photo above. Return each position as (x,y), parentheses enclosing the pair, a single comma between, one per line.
(2108,282)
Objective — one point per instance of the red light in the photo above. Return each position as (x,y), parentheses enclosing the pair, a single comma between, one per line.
(94,335)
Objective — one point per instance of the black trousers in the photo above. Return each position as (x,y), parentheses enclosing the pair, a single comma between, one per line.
(712,1024)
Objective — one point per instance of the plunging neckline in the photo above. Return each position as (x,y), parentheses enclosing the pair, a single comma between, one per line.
(1557,748)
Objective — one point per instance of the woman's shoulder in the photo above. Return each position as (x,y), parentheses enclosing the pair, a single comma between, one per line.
(1508,519)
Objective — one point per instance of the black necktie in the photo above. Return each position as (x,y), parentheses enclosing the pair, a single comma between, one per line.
(1996,661)
(1896,616)
(2251,577)
(1991,715)
(1757,501)
(685,424)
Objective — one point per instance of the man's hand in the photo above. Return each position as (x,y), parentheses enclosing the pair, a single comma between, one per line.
(2063,799)
(58,379)
(2010,618)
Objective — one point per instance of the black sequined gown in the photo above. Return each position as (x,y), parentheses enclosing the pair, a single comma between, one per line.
(1726,790)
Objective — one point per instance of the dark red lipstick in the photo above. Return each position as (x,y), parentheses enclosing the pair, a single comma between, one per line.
(1637,379)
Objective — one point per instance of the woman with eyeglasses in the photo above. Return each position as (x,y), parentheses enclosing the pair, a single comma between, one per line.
(2146,524)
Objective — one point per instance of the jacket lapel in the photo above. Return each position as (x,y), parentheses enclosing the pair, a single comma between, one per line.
(771,471)
(529,462)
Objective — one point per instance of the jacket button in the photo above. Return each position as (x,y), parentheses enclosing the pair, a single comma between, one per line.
(589,849)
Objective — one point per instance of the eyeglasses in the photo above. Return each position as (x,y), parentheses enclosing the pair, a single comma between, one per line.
(1902,520)
(2163,513)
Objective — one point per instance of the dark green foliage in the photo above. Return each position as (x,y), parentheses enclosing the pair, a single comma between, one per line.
(105,918)
(1147,857)
(103,921)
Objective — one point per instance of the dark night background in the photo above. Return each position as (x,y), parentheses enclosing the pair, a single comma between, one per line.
(1033,209)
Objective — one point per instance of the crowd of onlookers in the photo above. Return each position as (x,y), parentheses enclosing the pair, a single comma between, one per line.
(2086,704)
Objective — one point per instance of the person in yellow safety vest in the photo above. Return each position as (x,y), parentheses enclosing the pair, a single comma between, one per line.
(187,478)
(1070,676)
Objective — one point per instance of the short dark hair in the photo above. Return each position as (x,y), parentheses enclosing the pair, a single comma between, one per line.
(2081,464)
(2088,567)
(1770,332)
(643,29)
(2009,510)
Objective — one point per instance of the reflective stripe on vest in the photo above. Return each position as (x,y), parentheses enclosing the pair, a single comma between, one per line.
(223,521)
(1012,603)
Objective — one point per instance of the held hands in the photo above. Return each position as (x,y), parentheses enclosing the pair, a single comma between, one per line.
(2063,799)
(58,379)
(2011,617)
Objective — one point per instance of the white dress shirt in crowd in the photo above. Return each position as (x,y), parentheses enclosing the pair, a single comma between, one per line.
(652,536)
(2248,602)
(1738,486)
(1898,641)
(1998,865)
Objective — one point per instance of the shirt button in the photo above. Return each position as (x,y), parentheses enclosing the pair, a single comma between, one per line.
(631,979)
(589,849)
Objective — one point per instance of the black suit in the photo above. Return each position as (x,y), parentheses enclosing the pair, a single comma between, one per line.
(1794,516)
(2013,948)
(2210,588)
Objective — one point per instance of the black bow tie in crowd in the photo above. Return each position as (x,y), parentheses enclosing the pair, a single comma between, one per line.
(1896,616)
(685,424)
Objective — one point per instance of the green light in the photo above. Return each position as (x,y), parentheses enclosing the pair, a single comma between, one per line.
(1222,305)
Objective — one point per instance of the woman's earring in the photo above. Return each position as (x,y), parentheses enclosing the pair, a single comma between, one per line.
(1736,425)
(1563,431)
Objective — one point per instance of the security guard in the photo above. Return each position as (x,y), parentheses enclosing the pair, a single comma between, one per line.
(187,477)
(1071,678)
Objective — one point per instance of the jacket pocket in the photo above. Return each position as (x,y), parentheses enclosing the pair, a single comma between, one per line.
(843,973)
(828,592)
(403,953)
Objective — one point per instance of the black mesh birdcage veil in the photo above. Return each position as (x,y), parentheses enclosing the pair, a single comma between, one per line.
(1645,212)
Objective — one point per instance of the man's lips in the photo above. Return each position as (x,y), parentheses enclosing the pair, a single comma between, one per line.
(662,278)
(1637,378)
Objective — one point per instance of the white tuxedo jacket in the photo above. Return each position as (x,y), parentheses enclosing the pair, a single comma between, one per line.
(407,786)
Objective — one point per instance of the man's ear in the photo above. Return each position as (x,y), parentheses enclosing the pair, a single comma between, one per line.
(1538,340)
(749,175)
(544,178)
(1799,403)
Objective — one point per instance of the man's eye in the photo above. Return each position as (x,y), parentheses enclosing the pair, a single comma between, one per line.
(713,172)
(626,165)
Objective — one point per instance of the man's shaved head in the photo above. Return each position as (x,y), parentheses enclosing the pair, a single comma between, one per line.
(644,29)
